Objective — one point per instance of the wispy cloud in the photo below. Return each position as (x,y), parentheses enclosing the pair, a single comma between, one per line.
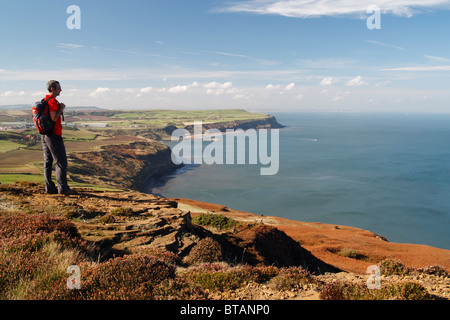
(135,53)
(420,68)
(317,8)
(230,54)
(243,56)
(437,59)
(69,45)
(385,44)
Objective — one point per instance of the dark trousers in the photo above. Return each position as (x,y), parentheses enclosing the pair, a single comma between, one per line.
(55,151)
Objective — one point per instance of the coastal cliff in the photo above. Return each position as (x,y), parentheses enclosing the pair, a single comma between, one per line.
(138,164)
(265,123)
(126,166)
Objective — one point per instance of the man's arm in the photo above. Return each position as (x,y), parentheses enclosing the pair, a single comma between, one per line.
(54,115)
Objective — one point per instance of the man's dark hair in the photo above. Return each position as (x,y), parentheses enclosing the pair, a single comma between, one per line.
(52,84)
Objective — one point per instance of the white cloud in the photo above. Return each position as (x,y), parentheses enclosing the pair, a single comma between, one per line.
(290,86)
(216,92)
(216,88)
(327,81)
(216,85)
(12,93)
(99,91)
(145,90)
(240,96)
(317,8)
(357,81)
(178,89)
(8,94)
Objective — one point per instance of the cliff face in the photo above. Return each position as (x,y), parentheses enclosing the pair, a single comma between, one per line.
(129,166)
(138,164)
(269,122)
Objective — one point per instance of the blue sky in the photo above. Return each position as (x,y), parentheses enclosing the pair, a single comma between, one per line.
(261,55)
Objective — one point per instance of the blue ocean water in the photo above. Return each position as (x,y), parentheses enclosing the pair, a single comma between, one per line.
(387,173)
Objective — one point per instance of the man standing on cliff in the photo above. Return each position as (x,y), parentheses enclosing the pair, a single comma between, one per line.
(53,145)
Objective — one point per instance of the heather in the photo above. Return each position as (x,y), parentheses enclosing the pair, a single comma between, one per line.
(35,250)
(346,290)
(153,252)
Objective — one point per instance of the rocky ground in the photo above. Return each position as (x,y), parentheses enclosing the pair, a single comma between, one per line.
(124,221)
(438,287)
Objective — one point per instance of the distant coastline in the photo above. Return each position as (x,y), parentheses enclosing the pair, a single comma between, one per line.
(141,164)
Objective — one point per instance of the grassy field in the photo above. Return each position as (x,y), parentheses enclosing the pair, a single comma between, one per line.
(6,178)
(180,117)
(21,152)
(13,178)
(6,146)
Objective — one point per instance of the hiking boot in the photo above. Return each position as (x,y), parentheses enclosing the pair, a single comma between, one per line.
(51,190)
(68,192)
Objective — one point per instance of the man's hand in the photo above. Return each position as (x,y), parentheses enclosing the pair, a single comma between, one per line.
(54,115)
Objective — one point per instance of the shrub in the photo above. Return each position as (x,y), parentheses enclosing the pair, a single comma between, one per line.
(125,212)
(179,288)
(215,277)
(214,220)
(29,262)
(263,273)
(351,253)
(291,278)
(435,270)
(393,267)
(333,290)
(346,290)
(108,218)
(206,250)
(161,254)
(222,277)
(26,224)
(129,277)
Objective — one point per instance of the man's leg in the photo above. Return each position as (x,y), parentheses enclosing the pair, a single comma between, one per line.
(48,165)
(58,152)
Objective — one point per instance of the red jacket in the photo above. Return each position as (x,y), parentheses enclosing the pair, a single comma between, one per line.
(53,105)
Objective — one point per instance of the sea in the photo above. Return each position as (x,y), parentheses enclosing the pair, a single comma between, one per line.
(388,173)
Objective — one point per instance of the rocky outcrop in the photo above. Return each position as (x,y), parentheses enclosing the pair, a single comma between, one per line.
(267,245)
(265,123)
(129,166)
(127,221)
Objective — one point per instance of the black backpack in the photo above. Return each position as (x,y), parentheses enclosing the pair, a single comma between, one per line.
(41,117)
